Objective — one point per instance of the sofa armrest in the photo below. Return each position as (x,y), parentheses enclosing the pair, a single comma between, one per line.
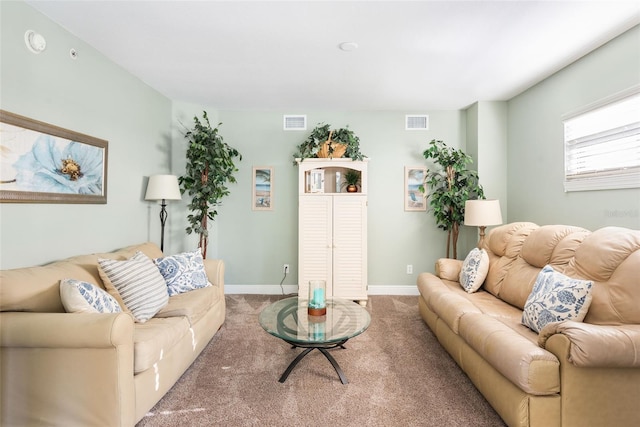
(596,346)
(66,368)
(64,330)
(449,269)
(215,272)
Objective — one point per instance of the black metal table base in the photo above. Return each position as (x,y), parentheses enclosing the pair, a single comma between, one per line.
(323,349)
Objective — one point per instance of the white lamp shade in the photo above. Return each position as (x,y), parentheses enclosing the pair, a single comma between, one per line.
(163,187)
(481,213)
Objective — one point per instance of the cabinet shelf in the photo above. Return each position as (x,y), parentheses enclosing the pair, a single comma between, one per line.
(326,176)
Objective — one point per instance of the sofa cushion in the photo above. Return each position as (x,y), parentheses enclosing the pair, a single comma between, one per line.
(474,270)
(183,272)
(37,289)
(610,257)
(514,353)
(451,307)
(139,283)
(153,339)
(503,246)
(549,244)
(554,298)
(83,297)
(192,305)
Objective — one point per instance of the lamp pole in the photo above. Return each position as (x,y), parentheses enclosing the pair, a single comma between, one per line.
(163,188)
(163,221)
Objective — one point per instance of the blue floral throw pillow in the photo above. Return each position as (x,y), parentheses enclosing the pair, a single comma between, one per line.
(554,298)
(183,272)
(474,270)
(82,297)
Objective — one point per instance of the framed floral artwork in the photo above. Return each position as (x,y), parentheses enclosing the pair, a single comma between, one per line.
(42,163)
(414,199)
(262,197)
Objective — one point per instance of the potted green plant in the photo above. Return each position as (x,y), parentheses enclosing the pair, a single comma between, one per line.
(351,181)
(450,186)
(210,166)
(324,142)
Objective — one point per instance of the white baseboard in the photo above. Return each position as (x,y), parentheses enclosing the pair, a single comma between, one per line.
(293,289)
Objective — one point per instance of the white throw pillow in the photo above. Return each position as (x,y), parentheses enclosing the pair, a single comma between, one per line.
(139,283)
(474,270)
(183,272)
(83,297)
(554,298)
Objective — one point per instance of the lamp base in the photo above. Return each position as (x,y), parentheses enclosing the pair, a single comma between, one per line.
(481,241)
(317,311)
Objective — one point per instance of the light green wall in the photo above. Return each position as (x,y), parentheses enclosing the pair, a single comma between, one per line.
(145,133)
(492,150)
(255,244)
(487,145)
(535,133)
(90,95)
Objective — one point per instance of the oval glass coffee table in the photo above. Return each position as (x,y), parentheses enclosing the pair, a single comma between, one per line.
(288,320)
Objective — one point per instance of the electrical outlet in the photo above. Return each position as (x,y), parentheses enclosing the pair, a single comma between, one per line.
(285,268)
(409,269)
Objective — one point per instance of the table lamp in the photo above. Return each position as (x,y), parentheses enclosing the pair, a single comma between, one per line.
(163,187)
(481,213)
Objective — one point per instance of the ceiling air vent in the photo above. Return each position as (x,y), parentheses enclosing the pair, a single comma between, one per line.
(416,122)
(295,122)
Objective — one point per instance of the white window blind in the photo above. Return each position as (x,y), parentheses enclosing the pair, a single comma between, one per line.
(602,147)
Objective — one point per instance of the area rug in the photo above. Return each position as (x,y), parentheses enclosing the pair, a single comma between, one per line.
(398,373)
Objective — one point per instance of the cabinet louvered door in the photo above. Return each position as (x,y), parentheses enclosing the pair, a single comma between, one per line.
(350,247)
(315,242)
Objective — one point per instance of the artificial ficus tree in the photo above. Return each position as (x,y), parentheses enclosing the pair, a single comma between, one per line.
(450,186)
(210,166)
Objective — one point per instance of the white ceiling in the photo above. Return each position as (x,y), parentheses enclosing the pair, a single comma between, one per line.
(412,55)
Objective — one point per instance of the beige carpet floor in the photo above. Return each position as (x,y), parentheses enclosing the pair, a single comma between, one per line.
(398,374)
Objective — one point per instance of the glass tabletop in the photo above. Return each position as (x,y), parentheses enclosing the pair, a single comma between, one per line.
(288,319)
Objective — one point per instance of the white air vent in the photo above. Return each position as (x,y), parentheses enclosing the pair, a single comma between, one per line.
(416,122)
(297,122)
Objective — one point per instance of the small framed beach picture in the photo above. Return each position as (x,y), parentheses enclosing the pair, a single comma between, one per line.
(43,163)
(262,199)
(414,199)
(316,181)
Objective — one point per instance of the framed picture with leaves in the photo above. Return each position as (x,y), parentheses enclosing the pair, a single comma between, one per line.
(262,197)
(414,199)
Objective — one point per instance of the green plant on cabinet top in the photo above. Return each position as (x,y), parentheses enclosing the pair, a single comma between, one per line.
(324,142)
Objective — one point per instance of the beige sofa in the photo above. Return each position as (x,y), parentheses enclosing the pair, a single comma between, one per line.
(81,369)
(572,373)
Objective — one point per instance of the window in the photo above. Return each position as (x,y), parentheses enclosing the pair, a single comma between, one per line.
(602,146)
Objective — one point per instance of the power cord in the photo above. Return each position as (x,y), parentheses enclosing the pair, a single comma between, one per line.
(282,287)
(282,281)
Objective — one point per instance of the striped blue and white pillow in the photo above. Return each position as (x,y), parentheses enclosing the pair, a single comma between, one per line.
(183,272)
(139,283)
(82,297)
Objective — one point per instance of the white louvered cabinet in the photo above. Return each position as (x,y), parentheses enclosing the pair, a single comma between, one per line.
(332,229)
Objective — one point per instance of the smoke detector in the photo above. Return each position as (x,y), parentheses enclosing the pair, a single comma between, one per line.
(35,42)
(348,46)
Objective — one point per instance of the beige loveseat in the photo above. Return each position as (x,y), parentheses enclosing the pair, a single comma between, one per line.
(572,373)
(85,369)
